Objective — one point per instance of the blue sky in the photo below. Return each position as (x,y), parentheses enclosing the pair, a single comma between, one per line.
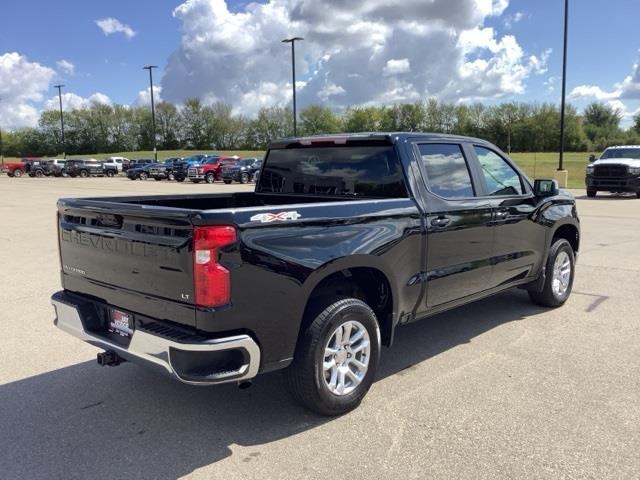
(231,52)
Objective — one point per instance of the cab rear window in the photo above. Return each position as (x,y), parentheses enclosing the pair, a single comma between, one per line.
(371,171)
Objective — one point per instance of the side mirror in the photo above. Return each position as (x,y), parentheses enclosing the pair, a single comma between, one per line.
(545,188)
(592,158)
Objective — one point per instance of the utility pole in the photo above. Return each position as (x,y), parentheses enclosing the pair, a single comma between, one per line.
(59,87)
(292,41)
(153,109)
(564,85)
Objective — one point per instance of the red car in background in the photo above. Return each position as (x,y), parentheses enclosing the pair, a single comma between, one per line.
(211,169)
(17,169)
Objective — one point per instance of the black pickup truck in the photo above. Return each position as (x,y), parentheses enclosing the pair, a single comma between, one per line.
(344,239)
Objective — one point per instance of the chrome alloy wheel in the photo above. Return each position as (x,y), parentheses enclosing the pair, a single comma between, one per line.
(346,358)
(561,274)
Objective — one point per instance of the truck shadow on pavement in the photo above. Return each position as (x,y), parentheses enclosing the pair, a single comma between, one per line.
(86,421)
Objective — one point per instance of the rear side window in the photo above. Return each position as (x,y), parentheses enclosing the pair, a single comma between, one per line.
(499,176)
(447,171)
(349,170)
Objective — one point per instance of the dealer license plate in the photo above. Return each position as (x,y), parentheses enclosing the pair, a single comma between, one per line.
(121,323)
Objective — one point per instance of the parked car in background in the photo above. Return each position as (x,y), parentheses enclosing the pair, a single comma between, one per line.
(83,168)
(141,162)
(55,167)
(162,170)
(110,169)
(616,171)
(117,162)
(205,170)
(14,169)
(242,171)
(181,167)
(39,168)
(139,172)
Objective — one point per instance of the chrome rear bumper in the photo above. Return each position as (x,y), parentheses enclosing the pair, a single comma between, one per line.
(169,355)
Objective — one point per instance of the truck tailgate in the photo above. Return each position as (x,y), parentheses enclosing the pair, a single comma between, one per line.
(137,255)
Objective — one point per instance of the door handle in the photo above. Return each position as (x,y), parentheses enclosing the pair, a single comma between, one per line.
(501,214)
(441,221)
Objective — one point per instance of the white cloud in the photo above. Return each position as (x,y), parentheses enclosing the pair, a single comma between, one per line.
(511,20)
(66,66)
(627,89)
(23,83)
(112,25)
(144,96)
(396,67)
(73,101)
(354,52)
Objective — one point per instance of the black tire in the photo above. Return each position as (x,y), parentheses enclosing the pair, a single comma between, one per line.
(209,178)
(548,297)
(306,375)
(638,194)
(157,179)
(84,173)
(132,178)
(227,181)
(171,176)
(180,179)
(592,193)
(144,175)
(39,173)
(244,177)
(109,173)
(17,173)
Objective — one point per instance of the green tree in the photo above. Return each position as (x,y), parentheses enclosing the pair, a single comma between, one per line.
(315,120)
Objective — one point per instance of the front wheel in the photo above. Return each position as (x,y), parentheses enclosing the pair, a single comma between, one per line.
(244,177)
(560,271)
(110,173)
(84,174)
(336,358)
(210,178)
(144,175)
(17,173)
(591,193)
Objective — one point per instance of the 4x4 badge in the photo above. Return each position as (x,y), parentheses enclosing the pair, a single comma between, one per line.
(274,217)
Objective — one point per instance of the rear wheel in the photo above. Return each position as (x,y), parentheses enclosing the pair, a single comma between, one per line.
(110,173)
(84,173)
(244,177)
(144,175)
(209,178)
(591,193)
(17,173)
(336,358)
(560,270)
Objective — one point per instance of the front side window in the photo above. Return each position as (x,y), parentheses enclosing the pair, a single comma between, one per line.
(447,172)
(500,177)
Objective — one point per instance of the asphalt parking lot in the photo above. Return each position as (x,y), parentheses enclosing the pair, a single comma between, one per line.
(497,389)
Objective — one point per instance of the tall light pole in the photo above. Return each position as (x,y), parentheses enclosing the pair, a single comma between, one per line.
(153,109)
(59,87)
(564,85)
(292,41)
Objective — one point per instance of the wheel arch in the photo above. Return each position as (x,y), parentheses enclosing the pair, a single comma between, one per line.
(367,279)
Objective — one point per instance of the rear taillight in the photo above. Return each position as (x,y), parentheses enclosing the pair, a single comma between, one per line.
(212,282)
